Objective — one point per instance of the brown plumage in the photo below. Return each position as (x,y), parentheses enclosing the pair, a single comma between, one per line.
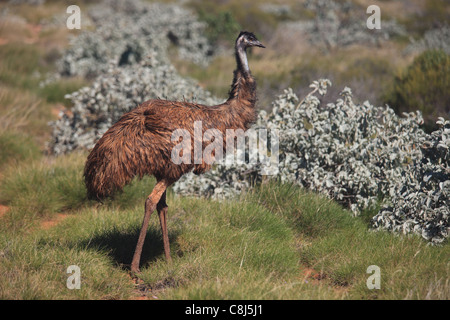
(140,142)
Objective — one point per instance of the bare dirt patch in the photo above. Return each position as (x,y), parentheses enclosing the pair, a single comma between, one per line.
(54,221)
(3,210)
(311,275)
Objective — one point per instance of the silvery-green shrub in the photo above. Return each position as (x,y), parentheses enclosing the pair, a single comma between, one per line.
(343,23)
(420,202)
(433,39)
(126,31)
(357,154)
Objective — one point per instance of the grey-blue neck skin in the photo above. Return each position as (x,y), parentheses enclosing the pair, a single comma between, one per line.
(241,56)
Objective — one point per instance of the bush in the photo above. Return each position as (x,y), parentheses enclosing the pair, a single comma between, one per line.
(355,154)
(437,39)
(223,17)
(421,202)
(220,26)
(127,32)
(343,23)
(433,14)
(424,86)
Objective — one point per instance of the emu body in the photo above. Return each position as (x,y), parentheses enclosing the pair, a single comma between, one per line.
(140,142)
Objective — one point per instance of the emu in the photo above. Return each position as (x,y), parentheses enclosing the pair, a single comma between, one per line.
(139,143)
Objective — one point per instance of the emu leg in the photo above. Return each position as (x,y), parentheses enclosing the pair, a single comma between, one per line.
(150,205)
(162,211)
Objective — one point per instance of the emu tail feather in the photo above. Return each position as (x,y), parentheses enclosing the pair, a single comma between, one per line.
(105,172)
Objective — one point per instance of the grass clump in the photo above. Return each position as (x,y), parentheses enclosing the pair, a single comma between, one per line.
(16,148)
(18,63)
(45,186)
(34,269)
(341,248)
(39,190)
(55,92)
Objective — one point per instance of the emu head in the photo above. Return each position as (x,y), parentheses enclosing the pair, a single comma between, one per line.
(246,40)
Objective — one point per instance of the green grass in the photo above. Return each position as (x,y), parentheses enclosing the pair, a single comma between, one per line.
(342,247)
(45,186)
(32,268)
(19,61)
(24,66)
(16,147)
(28,55)
(258,246)
(55,92)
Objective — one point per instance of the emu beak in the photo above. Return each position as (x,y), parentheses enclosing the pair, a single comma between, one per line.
(259,44)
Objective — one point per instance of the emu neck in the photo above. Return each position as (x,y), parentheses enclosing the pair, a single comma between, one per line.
(243,89)
(241,60)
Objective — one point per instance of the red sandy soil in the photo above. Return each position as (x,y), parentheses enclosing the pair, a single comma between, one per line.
(312,275)
(3,210)
(35,30)
(54,221)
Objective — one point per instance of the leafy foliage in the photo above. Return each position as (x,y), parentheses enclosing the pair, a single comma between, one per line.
(434,14)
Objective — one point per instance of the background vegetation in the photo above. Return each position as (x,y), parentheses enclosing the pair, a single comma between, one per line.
(278,241)
(423,86)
